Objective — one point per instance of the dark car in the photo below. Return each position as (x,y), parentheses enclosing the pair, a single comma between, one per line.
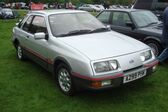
(2,4)
(139,24)
(156,6)
(6,13)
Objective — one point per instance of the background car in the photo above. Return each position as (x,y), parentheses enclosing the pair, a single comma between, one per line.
(89,7)
(142,25)
(101,7)
(2,4)
(6,13)
(82,53)
(156,6)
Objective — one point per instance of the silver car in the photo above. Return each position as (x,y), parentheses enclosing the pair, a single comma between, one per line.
(80,51)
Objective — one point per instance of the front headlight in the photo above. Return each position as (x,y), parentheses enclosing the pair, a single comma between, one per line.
(146,55)
(105,66)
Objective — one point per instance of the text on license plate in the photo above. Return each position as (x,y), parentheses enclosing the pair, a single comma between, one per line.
(134,76)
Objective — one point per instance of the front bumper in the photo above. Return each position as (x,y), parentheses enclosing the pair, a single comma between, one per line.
(115,80)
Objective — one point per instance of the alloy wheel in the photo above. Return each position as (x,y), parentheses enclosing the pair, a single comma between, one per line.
(19,52)
(64,80)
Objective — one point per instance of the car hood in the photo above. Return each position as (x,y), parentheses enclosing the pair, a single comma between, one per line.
(155,30)
(104,45)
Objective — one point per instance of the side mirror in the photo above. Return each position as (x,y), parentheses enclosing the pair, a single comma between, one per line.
(130,24)
(38,36)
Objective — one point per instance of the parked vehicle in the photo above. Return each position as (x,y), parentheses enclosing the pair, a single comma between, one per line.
(6,13)
(142,25)
(101,7)
(89,7)
(80,51)
(45,6)
(2,4)
(156,6)
(118,7)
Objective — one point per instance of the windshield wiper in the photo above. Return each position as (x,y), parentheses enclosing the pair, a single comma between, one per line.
(99,30)
(75,32)
(151,24)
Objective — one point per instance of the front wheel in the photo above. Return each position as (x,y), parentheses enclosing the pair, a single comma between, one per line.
(64,79)
(155,46)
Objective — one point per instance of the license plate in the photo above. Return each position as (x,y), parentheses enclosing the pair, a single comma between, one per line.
(134,76)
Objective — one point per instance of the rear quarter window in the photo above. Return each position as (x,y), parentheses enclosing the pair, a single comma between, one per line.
(26,25)
(22,21)
(104,16)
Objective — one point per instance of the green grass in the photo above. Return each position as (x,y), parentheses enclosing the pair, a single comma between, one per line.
(26,87)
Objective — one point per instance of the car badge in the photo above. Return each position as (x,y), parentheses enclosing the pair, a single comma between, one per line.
(131,61)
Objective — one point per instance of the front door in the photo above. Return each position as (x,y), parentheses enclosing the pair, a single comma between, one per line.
(37,48)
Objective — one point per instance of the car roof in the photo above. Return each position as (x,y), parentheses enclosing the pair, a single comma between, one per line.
(55,11)
(126,10)
(6,9)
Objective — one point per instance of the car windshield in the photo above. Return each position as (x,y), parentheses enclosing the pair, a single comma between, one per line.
(74,24)
(144,18)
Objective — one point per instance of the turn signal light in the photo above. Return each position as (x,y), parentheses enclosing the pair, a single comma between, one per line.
(96,84)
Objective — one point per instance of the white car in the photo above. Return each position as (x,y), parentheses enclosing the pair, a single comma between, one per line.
(89,7)
(101,7)
(80,51)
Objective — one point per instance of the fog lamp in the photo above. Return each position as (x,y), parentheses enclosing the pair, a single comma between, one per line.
(106,82)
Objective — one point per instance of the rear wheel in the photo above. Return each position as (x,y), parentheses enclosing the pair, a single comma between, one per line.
(155,46)
(64,79)
(20,54)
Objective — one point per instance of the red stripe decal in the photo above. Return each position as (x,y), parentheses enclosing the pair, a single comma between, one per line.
(97,79)
(152,64)
(49,61)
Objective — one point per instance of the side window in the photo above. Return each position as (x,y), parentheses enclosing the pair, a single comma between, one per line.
(22,21)
(84,6)
(120,19)
(26,25)
(104,16)
(38,25)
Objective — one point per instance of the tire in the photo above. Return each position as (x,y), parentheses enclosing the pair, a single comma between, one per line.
(20,54)
(155,46)
(64,79)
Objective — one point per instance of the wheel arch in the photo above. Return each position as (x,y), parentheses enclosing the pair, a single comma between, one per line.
(157,43)
(58,60)
(152,38)
(155,39)
(16,42)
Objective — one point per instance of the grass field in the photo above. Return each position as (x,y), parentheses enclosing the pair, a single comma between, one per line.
(26,87)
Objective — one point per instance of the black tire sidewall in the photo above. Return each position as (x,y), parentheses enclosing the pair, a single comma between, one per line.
(159,47)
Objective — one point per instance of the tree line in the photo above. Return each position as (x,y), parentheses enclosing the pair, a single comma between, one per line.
(111,2)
